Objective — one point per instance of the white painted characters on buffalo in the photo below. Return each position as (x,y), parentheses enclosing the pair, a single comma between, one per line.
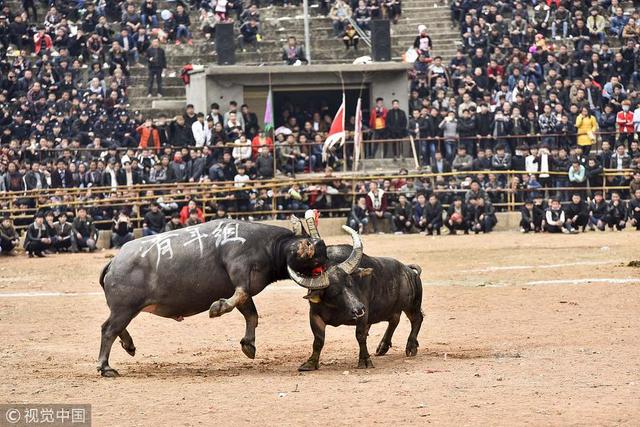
(196,236)
(225,233)
(162,242)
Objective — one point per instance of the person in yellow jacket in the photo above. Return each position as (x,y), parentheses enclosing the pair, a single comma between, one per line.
(586,125)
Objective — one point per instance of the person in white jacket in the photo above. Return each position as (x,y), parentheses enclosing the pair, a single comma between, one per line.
(199,128)
(242,149)
(636,119)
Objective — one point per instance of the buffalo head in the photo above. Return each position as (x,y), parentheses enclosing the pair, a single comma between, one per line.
(336,274)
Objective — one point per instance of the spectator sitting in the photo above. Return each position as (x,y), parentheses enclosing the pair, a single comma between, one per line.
(403,215)
(64,233)
(483,216)
(339,14)
(577,212)
(350,37)
(122,230)
(182,22)
(85,231)
(292,54)
(555,221)
(362,15)
(359,216)
(458,217)
(634,209)
(194,218)
(249,34)
(377,207)
(174,223)
(598,212)
(154,221)
(37,239)
(185,212)
(616,213)
(9,238)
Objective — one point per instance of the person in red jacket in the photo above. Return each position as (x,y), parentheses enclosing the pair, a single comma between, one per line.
(42,42)
(258,141)
(149,136)
(624,120)
(378,124)
(186,211)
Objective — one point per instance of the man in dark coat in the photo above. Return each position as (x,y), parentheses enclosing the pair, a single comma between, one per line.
(37,240)
(396,125)
(61,177)
(157,63)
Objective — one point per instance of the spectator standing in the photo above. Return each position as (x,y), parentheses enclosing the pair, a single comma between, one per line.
(625,122)
(157,62)
(378,124)
(586,125)
(396,126)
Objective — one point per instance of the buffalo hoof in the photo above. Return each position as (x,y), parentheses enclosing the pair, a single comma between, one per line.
(365,363)
(383,347)
(412,350)
(309,365)
(109,373)
(220,307)
(248,349)
(131,350)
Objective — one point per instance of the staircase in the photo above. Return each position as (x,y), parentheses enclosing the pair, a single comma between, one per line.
(277,24)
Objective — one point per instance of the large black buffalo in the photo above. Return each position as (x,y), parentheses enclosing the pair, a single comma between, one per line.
(371,290)
(217,266)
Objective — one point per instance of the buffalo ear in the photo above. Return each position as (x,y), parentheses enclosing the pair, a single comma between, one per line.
(363,272)
(314,297)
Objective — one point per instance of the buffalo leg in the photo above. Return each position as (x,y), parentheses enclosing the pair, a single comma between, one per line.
(127,342)
(318,328)
(385,343)
(111,328)
(415,317)
(248,342)
(362,331)
(223,306)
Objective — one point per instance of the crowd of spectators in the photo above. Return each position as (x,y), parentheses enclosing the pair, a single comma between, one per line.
(548,90)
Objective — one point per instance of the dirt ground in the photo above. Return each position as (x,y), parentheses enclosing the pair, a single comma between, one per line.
(519,329)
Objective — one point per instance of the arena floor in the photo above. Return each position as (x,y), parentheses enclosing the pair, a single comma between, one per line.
(519,329)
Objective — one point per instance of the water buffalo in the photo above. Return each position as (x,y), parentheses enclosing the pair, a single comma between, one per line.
(217,266)
(378,289)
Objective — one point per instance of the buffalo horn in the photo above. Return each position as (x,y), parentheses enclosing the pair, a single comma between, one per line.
(296,225)
(313,283)
(350,264)
(310,219)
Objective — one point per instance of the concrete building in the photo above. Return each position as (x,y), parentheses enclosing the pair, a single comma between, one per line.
(297,85)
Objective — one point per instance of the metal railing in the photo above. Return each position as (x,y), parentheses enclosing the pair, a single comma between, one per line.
(361,33)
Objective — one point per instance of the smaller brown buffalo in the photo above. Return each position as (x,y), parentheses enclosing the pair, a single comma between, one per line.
(372,290)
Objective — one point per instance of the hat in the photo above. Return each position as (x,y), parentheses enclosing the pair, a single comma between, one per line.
(84,113)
